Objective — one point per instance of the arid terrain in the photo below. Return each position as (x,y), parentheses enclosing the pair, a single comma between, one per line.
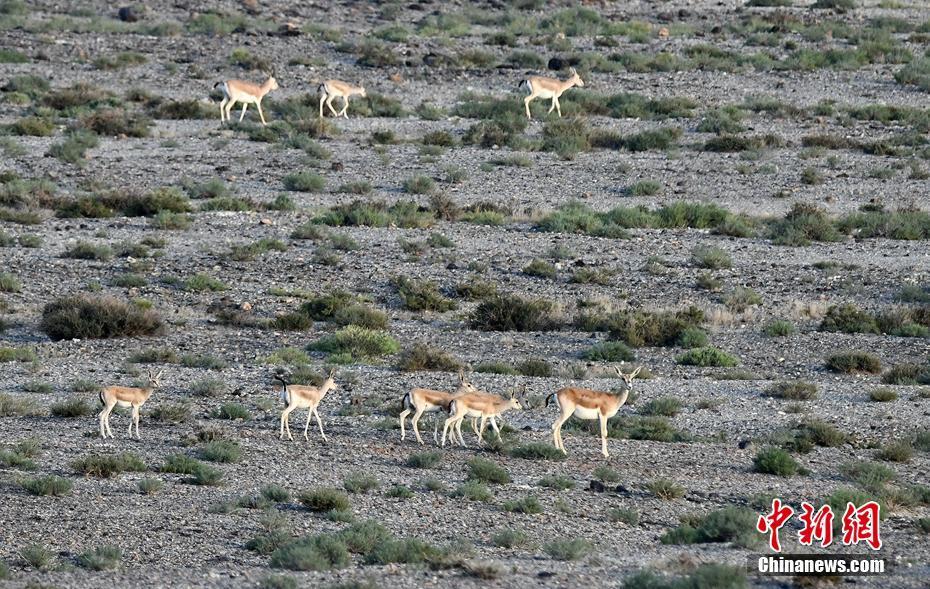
(737,200)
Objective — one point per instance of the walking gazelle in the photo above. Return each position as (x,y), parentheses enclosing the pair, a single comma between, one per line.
(420,401)
(134,397)
(331,89)
(304,397)
(245,92)
(483,405)
(588,404)
(542,87)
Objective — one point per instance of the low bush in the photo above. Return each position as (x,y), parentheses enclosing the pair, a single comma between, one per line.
(775,461)
(854,362)
(707,357)
(97,317)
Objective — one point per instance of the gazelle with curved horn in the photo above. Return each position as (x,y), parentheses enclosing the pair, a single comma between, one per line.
(420,401)
(307,397)
(589,404)
(331,89)
(245,92)
(542,87)
(134,397)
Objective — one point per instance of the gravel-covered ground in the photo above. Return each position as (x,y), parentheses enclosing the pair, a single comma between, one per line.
(192,535)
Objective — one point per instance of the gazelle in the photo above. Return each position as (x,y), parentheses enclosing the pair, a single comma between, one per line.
(245,92)
(331,89)
(483,405)
(588,404)
(542,87)
(304,397)
(420,401)
(134,397)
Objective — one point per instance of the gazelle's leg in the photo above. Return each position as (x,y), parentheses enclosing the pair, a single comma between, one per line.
(286,422)
(496,429)
(558,107)
(102,418)
(307,425)
(552,106)
(603,435)
(436,430)
(557,430)
(262,115)
(322,99)
(484,422)
(416,424)
(403,418)
(458,429)
(526,104)
(223,109)
(329,103)
(135,417)
(245,105)
(445,428)
(107,419)
(319,423)
(229,107)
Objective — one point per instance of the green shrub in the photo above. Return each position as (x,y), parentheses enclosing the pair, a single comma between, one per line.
(47,486)
(848,318)
(419,185)
(485,471)
(730,524)
(629,517)
(644,188)
(540,269)
(692,337)
(640,328)
(34,126)
(657,429)
(537,451)
(705,576)
(312,553)
(172,413)
(221,451)
(37,556)
(609,352)
(22,354)
(557,482)
(803,224)
(324,499)
(83,250)
(775,461)
(907,374)
(854,362)
(406,551)
(359,482)
(207,387)
(870,475)
(231,411)
(665,406)
(422,295)
(115,122)
(90,317)
(428,459)
(665,489)
(427,358)
(534,367)
(73,407)
(356,343)
(304,182)
(899,451)
(474,491)
(399,492)
(507,312)
(73,149)
(710,257)
(528,504)
(778,328)
(150,486)
(508,538)
(707,357)
(567,549)
(916,73)
(101,558)
(792,390)
(108,465)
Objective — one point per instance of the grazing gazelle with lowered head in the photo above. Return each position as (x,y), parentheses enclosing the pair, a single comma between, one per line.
(307,397)
(420,401)
(542,87)
(331,89)
(483,405)
(588,404)
(245,92)
(134,397)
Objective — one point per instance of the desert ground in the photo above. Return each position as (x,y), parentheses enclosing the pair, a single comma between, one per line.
(736,200)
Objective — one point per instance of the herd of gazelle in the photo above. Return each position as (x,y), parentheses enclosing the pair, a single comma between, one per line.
(466,401)
(246,93)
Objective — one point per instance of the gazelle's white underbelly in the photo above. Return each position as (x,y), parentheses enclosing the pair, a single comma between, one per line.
(585,413)
(545,93)
(123,403)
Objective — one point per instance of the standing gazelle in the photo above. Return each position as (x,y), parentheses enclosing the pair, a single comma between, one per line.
(483,405)
(304,397)
(588,404)
(331,89)
(245,92)
(134,397)
(542,87)
(420,401)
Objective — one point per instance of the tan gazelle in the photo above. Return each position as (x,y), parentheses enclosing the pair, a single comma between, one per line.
(588,404)
(331,89)
(134,397)
(542,87)
(483,405)
(295,396)
(420,401)
(245,92)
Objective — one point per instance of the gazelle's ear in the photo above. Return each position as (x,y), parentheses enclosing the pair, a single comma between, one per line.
(461,375)
(618,371)
(158,376)
(635,372)
(332,372)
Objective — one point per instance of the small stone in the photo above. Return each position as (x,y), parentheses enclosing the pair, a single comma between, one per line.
(337,167)
(557,63)
(266,221)
(663,33)
(396,78)
(128,14)
(597,486)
